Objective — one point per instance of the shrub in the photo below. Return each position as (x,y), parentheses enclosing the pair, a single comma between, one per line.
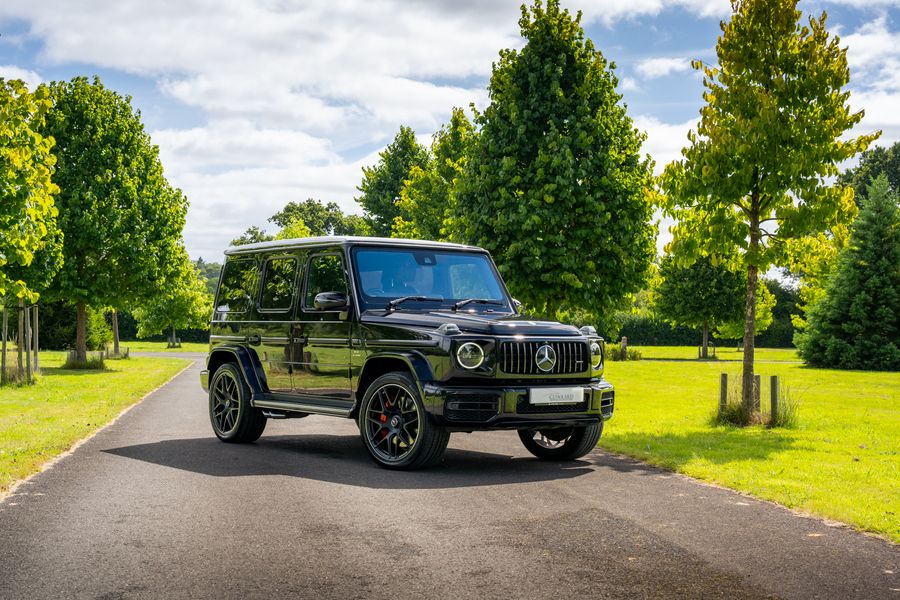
(93,362)
(787,416)
(614,353)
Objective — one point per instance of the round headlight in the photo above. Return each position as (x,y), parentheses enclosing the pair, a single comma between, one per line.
(596,355)
(470,355)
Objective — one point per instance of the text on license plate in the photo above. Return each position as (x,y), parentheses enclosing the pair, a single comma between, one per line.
(566,395)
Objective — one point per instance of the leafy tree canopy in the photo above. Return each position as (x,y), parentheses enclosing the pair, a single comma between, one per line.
(121,220)
(183,303)
(294,229)
(555,182)
(29,239)
(771,134)
(381,184)
(210,272)
(857,324)
(320,218)
(872,163)
(426,198)
(253,235)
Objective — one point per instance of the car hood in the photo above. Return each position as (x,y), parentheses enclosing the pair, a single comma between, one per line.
(484,323)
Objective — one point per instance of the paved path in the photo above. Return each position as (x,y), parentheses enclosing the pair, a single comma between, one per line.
(156,507)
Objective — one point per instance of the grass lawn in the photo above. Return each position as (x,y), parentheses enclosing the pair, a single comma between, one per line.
(145,346)
(41,421)
(842,462)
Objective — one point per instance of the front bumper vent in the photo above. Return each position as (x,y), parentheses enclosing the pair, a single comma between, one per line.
(472,408)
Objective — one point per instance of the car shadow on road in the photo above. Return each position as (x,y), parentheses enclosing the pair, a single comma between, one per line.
(342,459)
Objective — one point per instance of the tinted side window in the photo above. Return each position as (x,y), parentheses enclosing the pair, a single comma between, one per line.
(278,284)
(237,290)
(326,274)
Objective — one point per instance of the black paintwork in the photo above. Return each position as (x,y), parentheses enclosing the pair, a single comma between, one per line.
(303,360)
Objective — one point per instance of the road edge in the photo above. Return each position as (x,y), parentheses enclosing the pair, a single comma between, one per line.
(4,496)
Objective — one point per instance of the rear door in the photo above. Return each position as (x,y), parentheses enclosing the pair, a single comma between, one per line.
(321,360)
(272,334)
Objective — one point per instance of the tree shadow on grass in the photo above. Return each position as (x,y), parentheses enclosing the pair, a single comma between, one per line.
(60,371)
(719,445)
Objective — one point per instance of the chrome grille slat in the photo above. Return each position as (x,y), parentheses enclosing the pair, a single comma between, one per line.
(517,358)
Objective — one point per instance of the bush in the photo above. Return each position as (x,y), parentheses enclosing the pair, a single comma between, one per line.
(735,414)
(99,333)
(614,353)
(788,416)
(93,362)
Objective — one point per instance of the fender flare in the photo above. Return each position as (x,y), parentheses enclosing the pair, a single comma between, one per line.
(247,362)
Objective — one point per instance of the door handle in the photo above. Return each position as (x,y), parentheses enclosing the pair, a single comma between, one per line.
(254,340)
(302,340)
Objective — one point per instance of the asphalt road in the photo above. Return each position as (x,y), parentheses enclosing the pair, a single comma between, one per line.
(155,507)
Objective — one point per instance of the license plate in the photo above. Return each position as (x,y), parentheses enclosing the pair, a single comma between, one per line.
(567,395)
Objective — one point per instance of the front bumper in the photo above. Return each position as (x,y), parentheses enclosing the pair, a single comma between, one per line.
(508,407)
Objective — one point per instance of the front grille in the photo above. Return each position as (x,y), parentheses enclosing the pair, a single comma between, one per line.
(518,358)
(471,408)
(523,407)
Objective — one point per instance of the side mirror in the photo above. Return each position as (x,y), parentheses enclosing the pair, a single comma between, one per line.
(331,301)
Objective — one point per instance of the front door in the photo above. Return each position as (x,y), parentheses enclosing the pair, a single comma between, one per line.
(321,360)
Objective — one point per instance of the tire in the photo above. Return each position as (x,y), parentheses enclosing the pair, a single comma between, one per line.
(233,419)
(396,431)
(561,444)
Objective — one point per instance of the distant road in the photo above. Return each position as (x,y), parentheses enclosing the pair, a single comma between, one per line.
(155,507)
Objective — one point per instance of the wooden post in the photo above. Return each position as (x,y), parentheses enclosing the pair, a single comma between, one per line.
(27,337)
(5,334)
(723,393)
(36,343)
(756,392)
(20,335)
(774,395)
(624,348)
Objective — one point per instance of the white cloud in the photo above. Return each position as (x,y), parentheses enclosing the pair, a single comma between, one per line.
(664,140)
(629,84)
(31,79)
(610,11)
(651,68)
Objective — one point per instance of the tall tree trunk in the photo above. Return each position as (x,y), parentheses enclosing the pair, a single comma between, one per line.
(81,332)
(750,308)
(5,334)
(705,352)
(115,328)
(36,344)
(173,335)
(20,335)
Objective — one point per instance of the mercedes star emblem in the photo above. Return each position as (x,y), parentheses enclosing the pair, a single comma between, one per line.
(545,358)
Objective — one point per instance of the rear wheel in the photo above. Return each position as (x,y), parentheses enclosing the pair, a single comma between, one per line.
(233,419)
(396,430)
(566,443)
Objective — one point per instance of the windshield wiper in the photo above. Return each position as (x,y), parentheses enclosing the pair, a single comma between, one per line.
(393,304)
(462,303)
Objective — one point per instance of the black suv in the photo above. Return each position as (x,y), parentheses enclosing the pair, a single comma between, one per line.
(412,339)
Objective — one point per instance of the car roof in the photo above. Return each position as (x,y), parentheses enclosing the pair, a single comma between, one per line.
(340,240)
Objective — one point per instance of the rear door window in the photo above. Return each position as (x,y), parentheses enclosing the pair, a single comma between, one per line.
(238,288)
(278,284)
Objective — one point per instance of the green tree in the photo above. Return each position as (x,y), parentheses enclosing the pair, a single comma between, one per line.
(857,324)
(184,303)
(554,185)
(253,235)
(872,163)
(703,295)
(27,209)
(426,198)
(320,218)
(381,184)
(210,272)
(293,229)
(121,220)
(756,172)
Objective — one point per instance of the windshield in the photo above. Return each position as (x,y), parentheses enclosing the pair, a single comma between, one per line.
(442,277)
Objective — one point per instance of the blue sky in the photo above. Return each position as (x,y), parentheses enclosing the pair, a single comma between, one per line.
(255,104)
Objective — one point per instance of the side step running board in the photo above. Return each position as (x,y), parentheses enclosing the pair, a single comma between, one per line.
(277,406)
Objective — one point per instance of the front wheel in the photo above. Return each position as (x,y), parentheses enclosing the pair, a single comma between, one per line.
(232,417)
(395,428)
(566,443)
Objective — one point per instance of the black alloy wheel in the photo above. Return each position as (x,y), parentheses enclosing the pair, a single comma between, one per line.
(564,443)
(396,430)
(230,413)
